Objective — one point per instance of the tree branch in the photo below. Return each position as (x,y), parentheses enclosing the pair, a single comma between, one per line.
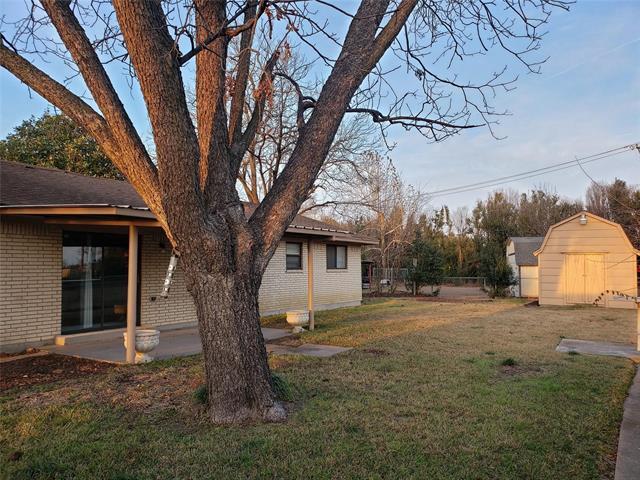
(153,55)
(292,187)
(58,95)
(133,159)
(242,76)
(240,146)
(224,31)
(214,169)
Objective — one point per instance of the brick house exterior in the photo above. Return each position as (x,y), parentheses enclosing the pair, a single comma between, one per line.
(36,213)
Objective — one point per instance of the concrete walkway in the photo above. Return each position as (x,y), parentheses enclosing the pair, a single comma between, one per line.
(179,343)
(628,459)
(599,348)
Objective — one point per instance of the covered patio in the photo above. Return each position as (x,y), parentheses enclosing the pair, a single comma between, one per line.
(108,346)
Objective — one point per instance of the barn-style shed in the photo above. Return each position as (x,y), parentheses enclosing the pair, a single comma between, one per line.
(581,257)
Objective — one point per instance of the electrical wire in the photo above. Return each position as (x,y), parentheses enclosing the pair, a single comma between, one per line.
(536,172)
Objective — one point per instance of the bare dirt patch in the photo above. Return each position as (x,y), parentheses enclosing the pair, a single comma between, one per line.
(46,369)
(28,351)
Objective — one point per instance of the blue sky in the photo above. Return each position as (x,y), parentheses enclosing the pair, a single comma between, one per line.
(586,100)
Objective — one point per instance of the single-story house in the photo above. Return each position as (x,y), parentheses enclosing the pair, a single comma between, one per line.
(524,265)
(583,256)
(65,240)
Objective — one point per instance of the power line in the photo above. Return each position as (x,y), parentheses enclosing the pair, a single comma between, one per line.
(536,172)
(604,190)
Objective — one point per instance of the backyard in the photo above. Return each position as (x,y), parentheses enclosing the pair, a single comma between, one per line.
(430,390)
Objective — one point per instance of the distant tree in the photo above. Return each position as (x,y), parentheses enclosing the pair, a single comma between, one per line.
(496,218)
(541,208)
(390,207)
(451,232)
(494,267)
(619,203)
(54,140)
(430,265)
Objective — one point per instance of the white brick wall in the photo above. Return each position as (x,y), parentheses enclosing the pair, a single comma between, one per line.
(30,284)
(284,290)
(281,289)
(178,306)
(335,288)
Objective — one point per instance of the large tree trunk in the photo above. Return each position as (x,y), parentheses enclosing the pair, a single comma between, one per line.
(238,379)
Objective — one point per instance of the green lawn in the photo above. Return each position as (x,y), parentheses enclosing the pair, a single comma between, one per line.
(431,390)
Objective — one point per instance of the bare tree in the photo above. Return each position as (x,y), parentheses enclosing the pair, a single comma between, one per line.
(618,202)
(387,209)
(191,185)
(277,134)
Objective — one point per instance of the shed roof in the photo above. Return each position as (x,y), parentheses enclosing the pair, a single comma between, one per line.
(615,225)
(524,248)
(43,188)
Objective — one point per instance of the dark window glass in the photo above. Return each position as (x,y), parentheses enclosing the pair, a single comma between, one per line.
(94,281)
(294,256)
(336,257)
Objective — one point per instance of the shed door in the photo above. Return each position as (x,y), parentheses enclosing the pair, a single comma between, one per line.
(594,276)
(584,279)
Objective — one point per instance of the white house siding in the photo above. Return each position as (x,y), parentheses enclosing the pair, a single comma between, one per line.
(598,241)
(528,281)
(30,284)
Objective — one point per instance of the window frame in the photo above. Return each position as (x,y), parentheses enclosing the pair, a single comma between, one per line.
(346,257)
(287,255)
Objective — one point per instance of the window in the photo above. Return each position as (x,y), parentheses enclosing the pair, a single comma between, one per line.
(294,256)
(94,281)
(336,257)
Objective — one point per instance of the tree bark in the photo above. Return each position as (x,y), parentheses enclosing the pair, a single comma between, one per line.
(238,378)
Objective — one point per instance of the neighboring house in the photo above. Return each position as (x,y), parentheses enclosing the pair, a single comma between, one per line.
(582,257)
(64,245)
(524,265)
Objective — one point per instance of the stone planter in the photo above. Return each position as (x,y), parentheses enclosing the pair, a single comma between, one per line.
(146,341)
(297,319)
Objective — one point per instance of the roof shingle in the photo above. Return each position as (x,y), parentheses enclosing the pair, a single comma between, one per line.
(524,248)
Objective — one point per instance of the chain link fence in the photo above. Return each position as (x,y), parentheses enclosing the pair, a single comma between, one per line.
(390,280)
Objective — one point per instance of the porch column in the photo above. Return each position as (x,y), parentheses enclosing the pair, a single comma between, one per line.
(310,284)
(132,293)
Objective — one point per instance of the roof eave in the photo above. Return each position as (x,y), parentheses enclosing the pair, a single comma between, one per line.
(128,211)
(79,210)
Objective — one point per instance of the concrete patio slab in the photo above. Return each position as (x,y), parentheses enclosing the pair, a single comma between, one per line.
(177,343)
(628,458)
(599,348)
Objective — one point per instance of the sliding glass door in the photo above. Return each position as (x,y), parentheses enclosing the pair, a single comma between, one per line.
(94,281)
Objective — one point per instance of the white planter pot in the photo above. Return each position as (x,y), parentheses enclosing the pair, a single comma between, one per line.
(297,319)
(146,341)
